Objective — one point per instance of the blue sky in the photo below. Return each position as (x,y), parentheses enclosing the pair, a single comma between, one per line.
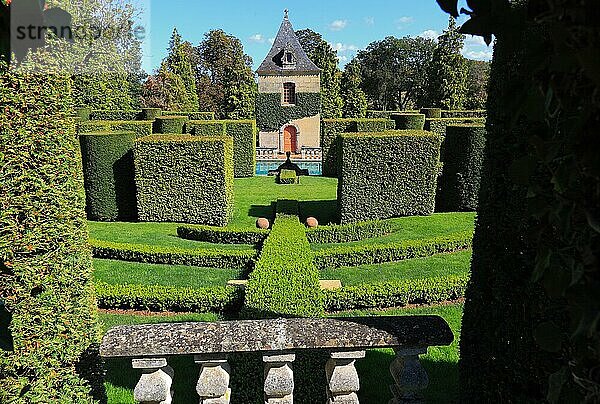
(349,25)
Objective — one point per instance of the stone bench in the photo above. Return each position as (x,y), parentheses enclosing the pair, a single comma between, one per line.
(345,339)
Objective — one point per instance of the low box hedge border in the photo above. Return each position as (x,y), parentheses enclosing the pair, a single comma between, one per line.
(285,281)
(208,258)
(170,124)
(466,113)
(358,254)
(114,115)
(348,232)
(192,116)
(140,128)
(220,299)
(396,293)
(408,121)
(220,235)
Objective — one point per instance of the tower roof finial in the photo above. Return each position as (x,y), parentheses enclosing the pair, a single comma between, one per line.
(286,13)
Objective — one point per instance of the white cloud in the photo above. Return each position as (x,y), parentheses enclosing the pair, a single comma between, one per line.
(478,55)
(471,40)
(370,20)
(340,47)
(430,34)
(344,59)
(338,25)
(257,38)
(404,20)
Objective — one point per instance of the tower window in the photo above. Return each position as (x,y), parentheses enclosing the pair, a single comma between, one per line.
(289,93)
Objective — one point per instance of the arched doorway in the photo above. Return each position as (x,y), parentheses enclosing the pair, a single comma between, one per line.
(290,139)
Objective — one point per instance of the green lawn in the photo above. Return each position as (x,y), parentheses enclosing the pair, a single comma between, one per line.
(253,199)
(418,227)
(440,362)
(134,273)
(419,268)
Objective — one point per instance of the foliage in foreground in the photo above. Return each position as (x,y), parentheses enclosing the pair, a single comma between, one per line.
(47,304)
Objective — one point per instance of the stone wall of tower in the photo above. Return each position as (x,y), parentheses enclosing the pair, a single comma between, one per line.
(304,83)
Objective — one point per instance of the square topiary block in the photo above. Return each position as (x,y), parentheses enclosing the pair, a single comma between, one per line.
(288,177)
(182,178)
(388,174)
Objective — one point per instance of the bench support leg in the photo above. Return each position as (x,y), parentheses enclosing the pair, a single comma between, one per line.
(342,377)
(155,382)
(213,382)
(409,376)
(279,379)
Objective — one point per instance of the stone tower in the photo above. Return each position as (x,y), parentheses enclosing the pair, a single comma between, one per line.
(288,106)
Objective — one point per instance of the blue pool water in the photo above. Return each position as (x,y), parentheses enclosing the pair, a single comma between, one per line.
(314,167)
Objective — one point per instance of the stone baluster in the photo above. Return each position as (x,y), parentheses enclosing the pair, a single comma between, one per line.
(410,376)
(213,382)
(279,379)
(155,382)
(342,377)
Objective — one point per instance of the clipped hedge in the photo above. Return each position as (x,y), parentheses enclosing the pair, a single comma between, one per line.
(192,116)
(287,177)
(271,115)
(353,255)
(332,128)
(48,315)
(348,232)
(431,113)
(243,133)
(285,281)
(150,114)
(185,179)
(83,113)
(110,115)
(219,235)
(388,174)
(464,148)
(109,175)
(439,125)
(163,298)
(140,128)
(208,258)
(408,121)
(396,293)
(475,113)
(170,124)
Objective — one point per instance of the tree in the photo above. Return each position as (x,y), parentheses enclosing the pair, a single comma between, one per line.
(394,72)
(530,326)
(478,76)
(447,87)
(325,57)
(179,63)
(166,90)
(224,76)
(355,100)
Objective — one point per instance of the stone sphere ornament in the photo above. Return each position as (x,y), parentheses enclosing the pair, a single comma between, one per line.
(312,222)
(263,223)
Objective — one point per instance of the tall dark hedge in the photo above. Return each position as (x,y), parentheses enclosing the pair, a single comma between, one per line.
(530,330)
(243,133)
(109,175)
(45,262)
(458,188)
(330,131)
(388,174)
(185,179)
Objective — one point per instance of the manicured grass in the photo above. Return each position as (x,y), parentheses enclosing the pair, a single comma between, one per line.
(253,198)
(135,273)
(159,234)
(417,227)
(419,268)
(441,363)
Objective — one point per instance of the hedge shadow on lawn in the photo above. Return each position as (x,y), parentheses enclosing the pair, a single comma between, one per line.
(326,212)
(266,211)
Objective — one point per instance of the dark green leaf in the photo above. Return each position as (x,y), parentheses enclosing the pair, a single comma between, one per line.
(449,6)
(548,337)
(556,382)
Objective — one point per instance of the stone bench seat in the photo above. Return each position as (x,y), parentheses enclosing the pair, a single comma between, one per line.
(346,339)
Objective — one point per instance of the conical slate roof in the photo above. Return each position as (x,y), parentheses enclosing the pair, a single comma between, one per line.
(287,40)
